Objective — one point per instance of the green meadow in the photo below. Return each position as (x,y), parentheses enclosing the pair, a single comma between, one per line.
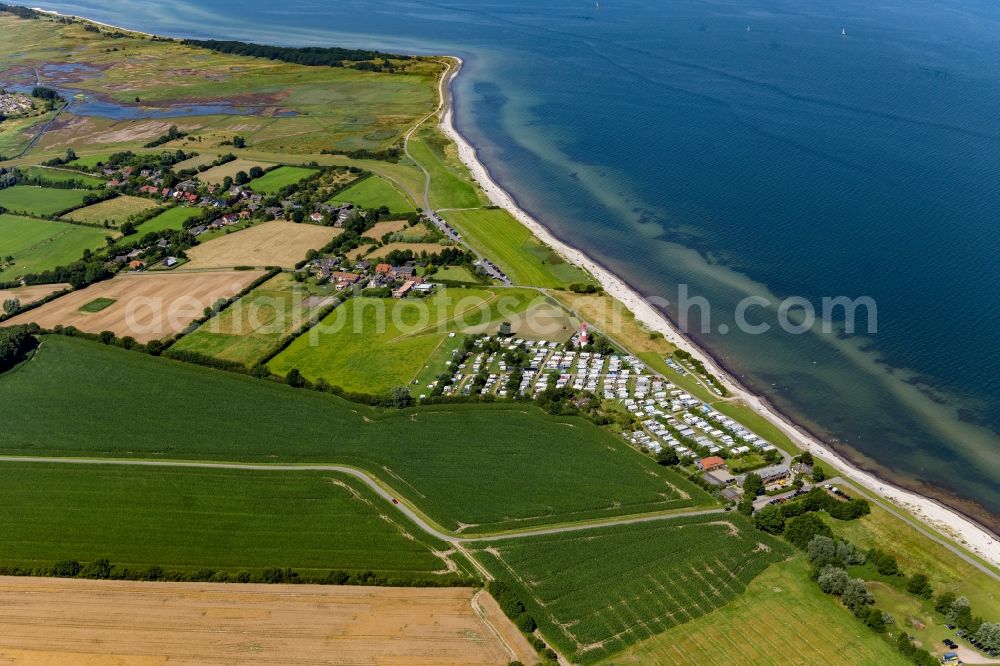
(170,219)
(375,192)
(451,184)
(62,176)
(39,245)
(484,467)
(596,592)
(371,345)
(273,181)
(41,201)
(247,330)
(188,519)
(524,258)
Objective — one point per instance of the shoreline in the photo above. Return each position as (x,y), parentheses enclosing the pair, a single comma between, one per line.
(949,522)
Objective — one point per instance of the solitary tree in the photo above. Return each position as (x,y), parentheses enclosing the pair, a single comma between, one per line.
(11,305)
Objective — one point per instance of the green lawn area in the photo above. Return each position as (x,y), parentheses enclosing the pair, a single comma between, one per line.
(375,192)
(451,184)
(487,467)
(187,519)
(173,218)
(39,245)
(113,211)
(273,181)
(98,304)
(64,176)
(372,345)
(504,240)
(454,274)
(89,161)
(782,619)
(596,592)
(247,330)
(41,201)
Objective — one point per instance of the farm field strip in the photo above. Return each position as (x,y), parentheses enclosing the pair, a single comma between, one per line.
(273,181)
(148,306)
(186,518)
(40,201)
(113,211)
(172,219)
(177,409)
(269,244)
(39,245)
(375,192)
(597,593)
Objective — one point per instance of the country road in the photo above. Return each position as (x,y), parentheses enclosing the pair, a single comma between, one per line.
(379,489)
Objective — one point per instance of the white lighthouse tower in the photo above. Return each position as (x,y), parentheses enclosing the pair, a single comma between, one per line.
(584,338)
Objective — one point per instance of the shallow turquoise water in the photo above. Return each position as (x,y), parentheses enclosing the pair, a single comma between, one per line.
(742,148)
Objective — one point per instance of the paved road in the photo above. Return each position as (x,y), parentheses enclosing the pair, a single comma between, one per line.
(372,483)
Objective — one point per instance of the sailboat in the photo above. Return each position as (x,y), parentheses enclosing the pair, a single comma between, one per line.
(843,32)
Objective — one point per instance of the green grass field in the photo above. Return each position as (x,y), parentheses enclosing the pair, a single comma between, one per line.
(596,592)
(89,161)
(64,176)
(41,201)
(782,619)
(918,554)
(187,519)
(39,245)
(172,218)
(375,192)
(113,211)
(98,304)
(524,258)
(273,181)
(246,331)
(451,184)
(488,467)
(372,345)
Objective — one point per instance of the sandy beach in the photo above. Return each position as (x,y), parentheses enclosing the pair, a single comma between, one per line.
(942,519)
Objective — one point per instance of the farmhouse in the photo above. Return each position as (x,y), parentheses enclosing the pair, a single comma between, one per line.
(402,291)
(342,279)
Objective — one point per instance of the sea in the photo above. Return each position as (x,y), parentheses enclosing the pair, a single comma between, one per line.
(786,150)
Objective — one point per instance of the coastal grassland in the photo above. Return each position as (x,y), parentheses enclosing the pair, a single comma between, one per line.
(781,619)
(40,201)
(479,468)
(596,592)
(247,330)
(39,245)
(416,248)
(918,554)
(504,240)
(371,345)
(272,181)
(281,107)
(454,274)
(375,192)
(269,244)
(614,320)
(17,133)
(451,184)
(216,175)
(50,175)
(188,519)
(172,219)
(113,211)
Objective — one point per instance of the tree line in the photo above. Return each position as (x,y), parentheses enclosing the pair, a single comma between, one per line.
(313,56)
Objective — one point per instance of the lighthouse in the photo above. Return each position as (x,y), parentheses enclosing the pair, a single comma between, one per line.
(584,338)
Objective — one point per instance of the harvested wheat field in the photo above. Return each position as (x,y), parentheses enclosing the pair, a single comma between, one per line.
(388,227)
(145,306)
(57,621)
(28,295)
(270,244)
(216,175)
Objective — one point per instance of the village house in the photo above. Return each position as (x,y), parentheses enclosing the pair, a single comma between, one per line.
(342,279)
(403,290)
(711,463)
(777,476)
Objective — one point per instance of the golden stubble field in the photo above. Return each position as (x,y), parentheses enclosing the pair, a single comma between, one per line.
(28,295)
(146,306)
(66,621)
(270,244)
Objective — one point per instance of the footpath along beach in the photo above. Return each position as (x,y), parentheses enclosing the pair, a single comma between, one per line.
(929,511)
